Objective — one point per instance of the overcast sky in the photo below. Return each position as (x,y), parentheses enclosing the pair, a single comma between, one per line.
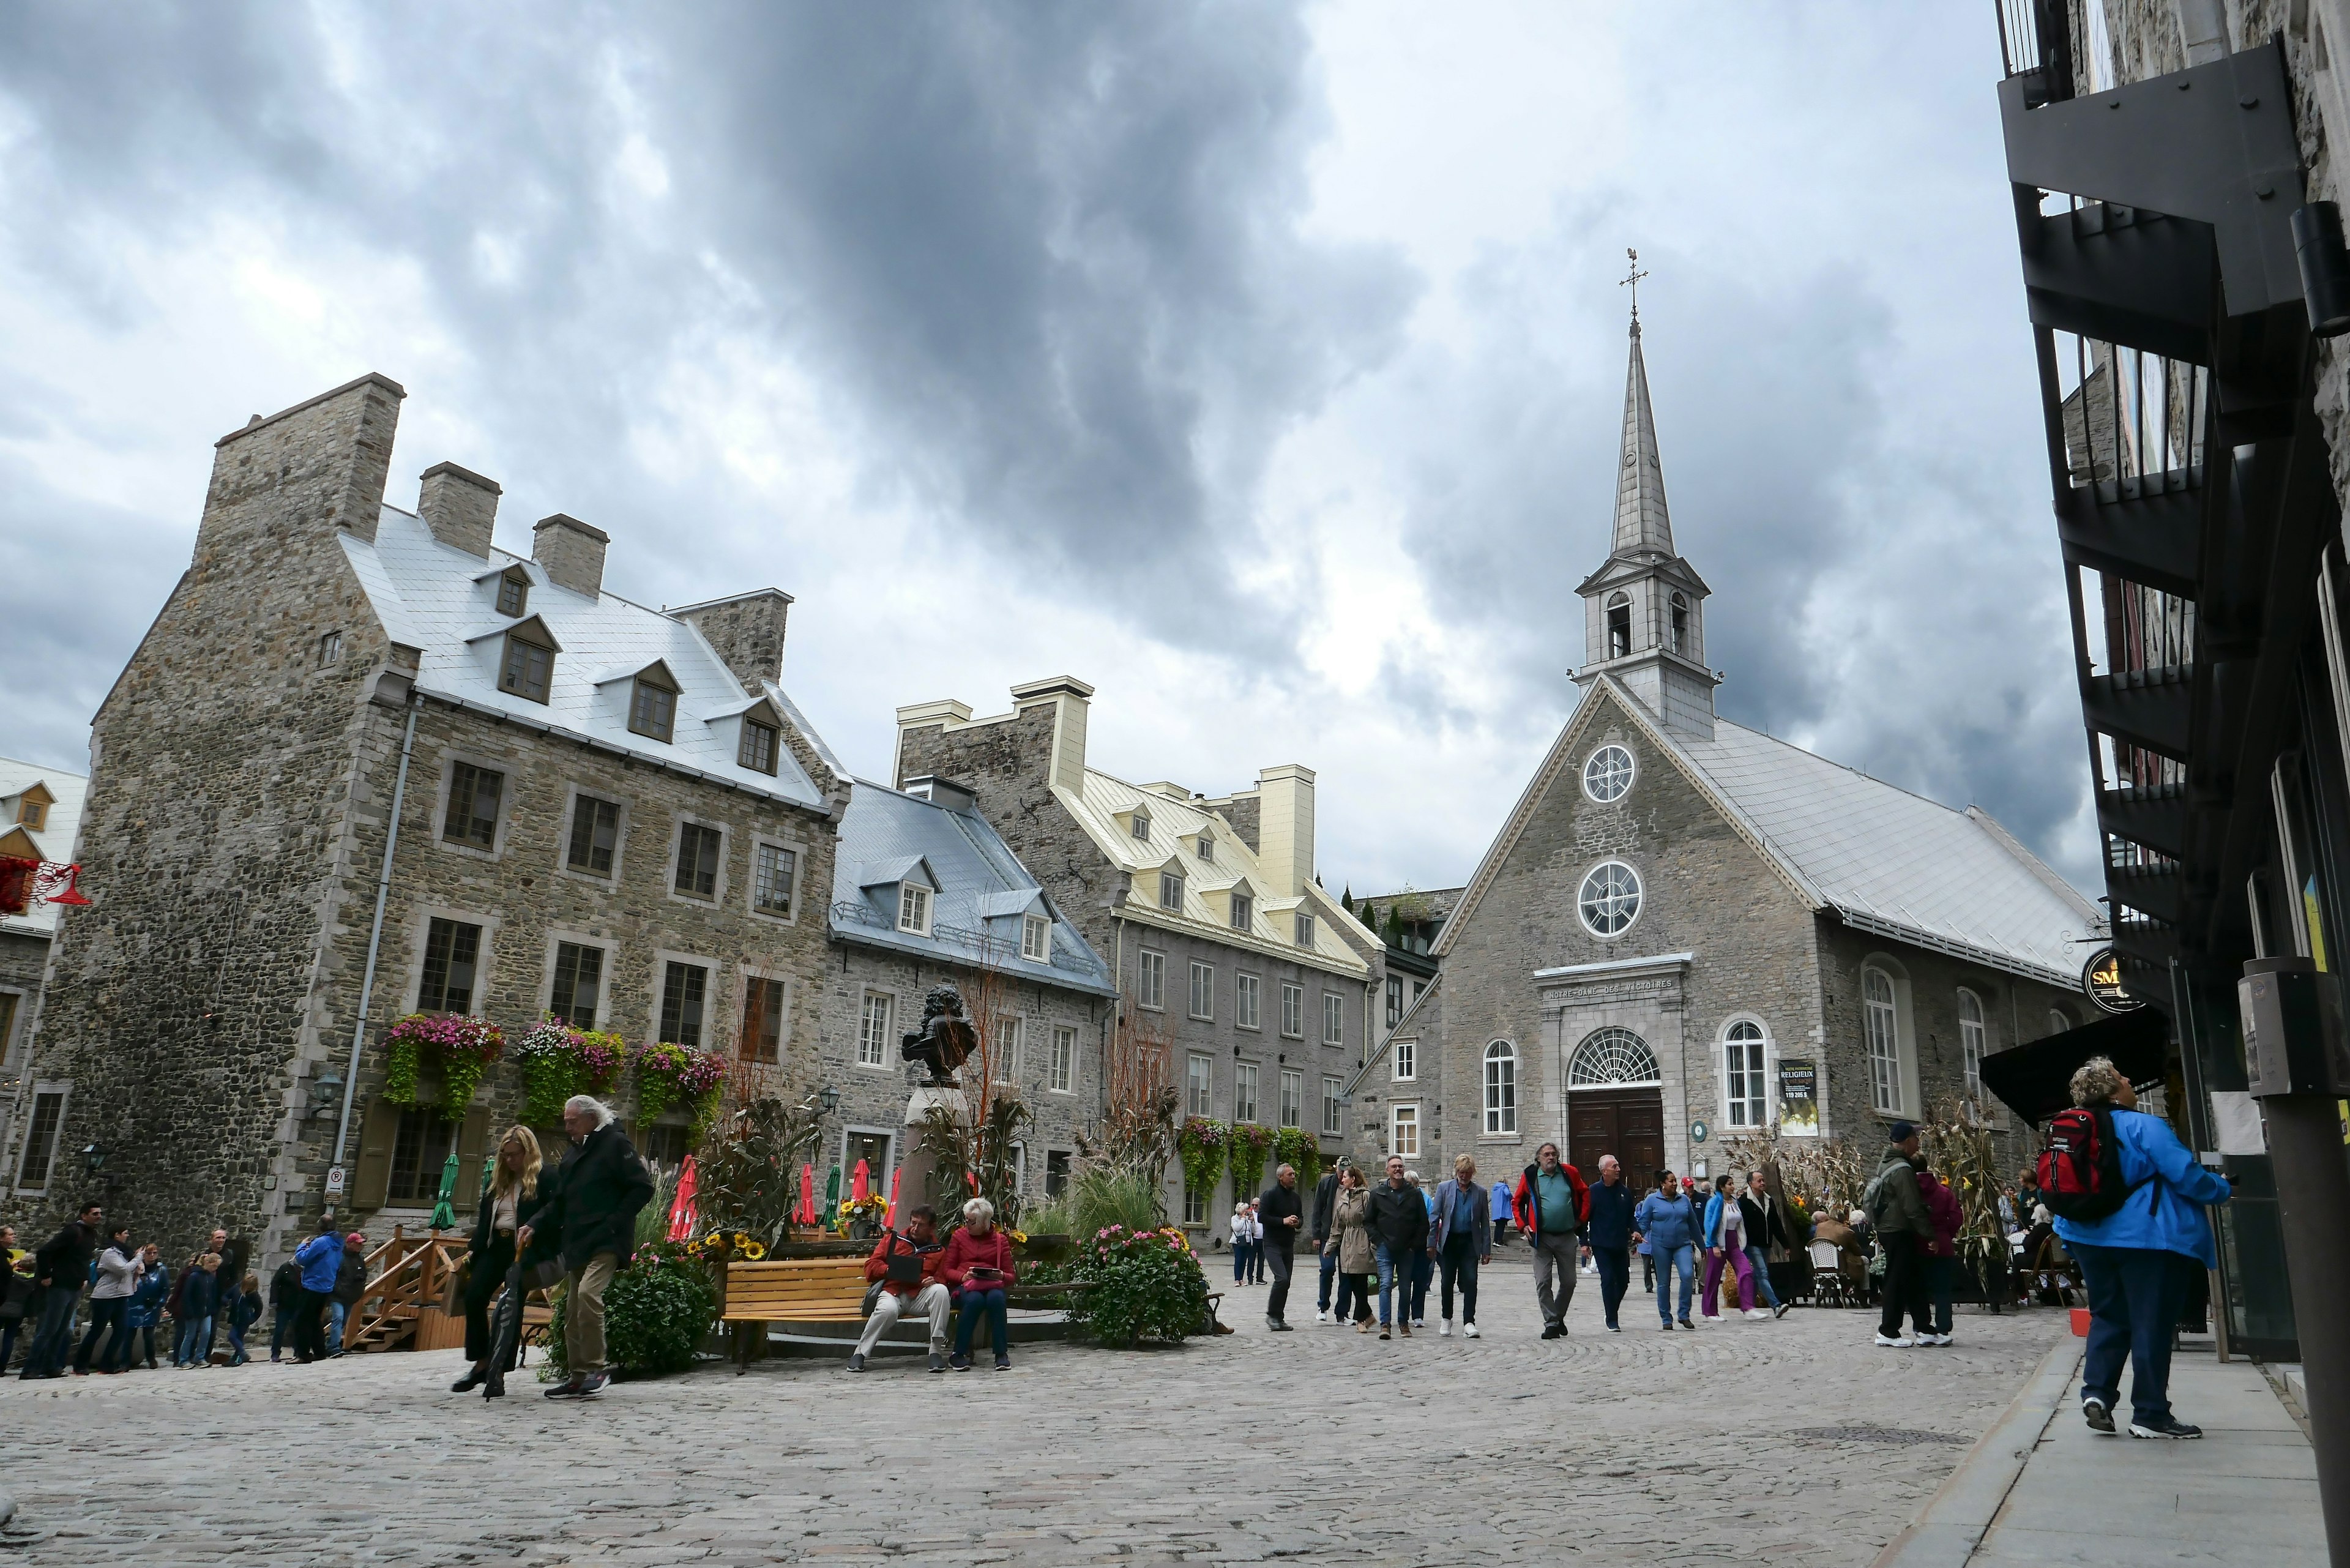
(1262,365)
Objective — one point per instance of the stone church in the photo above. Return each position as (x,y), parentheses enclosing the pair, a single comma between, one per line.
(1686,928)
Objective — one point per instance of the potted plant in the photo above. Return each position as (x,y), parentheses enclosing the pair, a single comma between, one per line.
(463,1046)
(669,1074)
(558,1062)
(1203,1145)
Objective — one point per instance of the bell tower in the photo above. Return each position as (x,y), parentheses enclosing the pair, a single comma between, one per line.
(1644,608)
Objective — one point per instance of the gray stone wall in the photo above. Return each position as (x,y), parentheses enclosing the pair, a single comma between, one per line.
(747,632)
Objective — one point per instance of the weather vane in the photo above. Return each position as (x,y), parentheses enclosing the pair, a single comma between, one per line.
(1632,282)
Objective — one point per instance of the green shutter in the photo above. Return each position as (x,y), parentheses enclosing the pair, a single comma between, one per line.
(373,1179)
(471,1140)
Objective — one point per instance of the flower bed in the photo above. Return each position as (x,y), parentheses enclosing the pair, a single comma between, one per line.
(463,1046)
(1144,1287)
(558,1062)
(669,1074)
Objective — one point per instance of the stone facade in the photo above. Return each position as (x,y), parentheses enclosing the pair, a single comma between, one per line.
(202,1009)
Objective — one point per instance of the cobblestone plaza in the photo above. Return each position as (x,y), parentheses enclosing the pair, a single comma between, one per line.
(1790,1441)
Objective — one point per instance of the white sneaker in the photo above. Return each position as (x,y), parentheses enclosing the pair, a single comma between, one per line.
(1444,1329)
(1902,1343)
(1321,1318)
(1753,1313)
(1469,1331)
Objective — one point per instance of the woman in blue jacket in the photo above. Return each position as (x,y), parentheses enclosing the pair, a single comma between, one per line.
(1668,1222)
(2137,1261)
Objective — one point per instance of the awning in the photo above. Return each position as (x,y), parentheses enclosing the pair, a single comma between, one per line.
(2035,1080)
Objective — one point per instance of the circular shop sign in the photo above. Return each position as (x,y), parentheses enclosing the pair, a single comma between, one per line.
(1697,1132)
(2101,976)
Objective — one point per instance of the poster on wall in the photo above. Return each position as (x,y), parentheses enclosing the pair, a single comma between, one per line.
(1799,1103)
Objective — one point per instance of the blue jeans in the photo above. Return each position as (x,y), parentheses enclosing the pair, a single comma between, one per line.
(1240,1262)
(1614,1278)
(1395,1274)
(54,1337)
(195,1335)
(1669,1259)
(1760,1262)
(1329,1274)
(2135,1294)
(973,1305)
(335,1312)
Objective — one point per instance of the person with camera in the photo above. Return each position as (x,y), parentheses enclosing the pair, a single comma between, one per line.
(907,1268)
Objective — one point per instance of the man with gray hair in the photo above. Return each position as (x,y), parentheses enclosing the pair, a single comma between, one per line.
(592,1211)
(1280,1213)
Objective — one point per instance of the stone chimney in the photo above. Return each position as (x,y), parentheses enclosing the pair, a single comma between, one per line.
(746,630)
(1286,828)
(459,507)
(571,551)
(1072,702)
(319,465)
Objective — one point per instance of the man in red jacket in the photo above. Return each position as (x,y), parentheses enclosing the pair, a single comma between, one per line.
(907,1268)
(1553,1205)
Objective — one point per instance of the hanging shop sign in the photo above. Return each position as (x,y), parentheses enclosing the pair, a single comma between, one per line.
(2101,976)
(1799,1097)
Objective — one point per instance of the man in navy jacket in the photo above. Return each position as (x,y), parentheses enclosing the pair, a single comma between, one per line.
(1610,1235)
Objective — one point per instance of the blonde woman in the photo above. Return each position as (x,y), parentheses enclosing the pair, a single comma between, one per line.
(505,1209)
(1350,1217)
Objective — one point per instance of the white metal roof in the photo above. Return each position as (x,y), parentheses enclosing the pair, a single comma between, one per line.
(435,597)
(54,839)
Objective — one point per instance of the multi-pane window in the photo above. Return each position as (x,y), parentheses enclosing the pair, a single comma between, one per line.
(41,1141)
(697,859)
(684,987)
(914,908)
(1334,1019)
(595,834)
(1171,890)
(1334,1102)
(1882,1026)
(419,1147)
(1245,1003)
(1609,900)
(2057,1022)
(1305,930)
(1500,1087)
(331,649)
(1293,1097)
(873,1031)
(1742,1075)
(1207,850)
(764,1003)
(1006,1050)
(1395,1000)
(472,814)
(527,669)
(772,880)
(1403,1135)
(514,593)
(578,983)
(1203,990)
(1407,1059)
(1972,1039)
(653,708)
(758,747)
(452,950)
(1293,1011)
(1245,1092)
(1150,976)
(1036,939)
(1061,1075)
(1195,1208)
(1244,911)
(1140,826)
(1199,1085)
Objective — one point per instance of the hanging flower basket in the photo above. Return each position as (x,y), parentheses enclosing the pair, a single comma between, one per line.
(1248,1145)
(669,1074)
(1202,1144)
(462,1046)
(1296,1147)
(558,1062)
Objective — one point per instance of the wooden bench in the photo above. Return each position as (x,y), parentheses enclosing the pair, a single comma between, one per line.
(796,1290)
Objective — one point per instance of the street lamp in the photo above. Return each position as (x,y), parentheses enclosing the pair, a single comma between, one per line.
(828,1098)
(92,1157)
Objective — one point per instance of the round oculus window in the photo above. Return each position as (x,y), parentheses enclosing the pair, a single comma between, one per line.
(1610,899)
(1607,774)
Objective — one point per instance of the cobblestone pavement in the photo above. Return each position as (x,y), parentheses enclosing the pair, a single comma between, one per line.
(1321,1446)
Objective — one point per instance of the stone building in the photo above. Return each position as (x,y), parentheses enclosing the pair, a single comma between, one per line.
(1686,928)
(366,764)
(1232,964)
(40,819)
(925,892)
(1408,924)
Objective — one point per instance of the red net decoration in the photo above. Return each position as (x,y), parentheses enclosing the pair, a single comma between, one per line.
(57,883)
(17,884)
(23,882)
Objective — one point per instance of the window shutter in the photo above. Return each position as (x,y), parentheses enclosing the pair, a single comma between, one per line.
(470,1140)
(373,1181)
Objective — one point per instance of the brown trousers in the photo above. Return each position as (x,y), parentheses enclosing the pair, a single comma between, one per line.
(583,1313)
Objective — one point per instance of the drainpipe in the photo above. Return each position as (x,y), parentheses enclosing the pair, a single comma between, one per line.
(375,935)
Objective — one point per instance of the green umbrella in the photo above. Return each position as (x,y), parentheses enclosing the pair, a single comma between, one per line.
(832,1195)
(444,1212)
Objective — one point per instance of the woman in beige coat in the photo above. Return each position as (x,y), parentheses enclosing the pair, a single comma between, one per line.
(1350,1217)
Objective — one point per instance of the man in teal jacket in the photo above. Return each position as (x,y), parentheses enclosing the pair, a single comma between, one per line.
(2136,1261)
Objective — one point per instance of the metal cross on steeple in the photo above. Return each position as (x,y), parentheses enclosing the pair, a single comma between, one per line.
(1632,281)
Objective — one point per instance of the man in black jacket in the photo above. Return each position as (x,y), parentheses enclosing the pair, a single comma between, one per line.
(1767,1226)
(1279,1213)
(1325,1209)
(1398,1227)
(594,1204)
(60,1269)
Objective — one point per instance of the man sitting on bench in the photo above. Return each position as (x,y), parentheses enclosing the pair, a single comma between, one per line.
(907,1268)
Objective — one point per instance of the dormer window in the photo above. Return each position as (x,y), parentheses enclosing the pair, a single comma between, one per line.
(1207,850)
(1305,930)
(33,809)
(1171,890)
(757,750)
(1619,625)
(1680,623)
(514,592)
(528,667)
(1036,939)
(1140,826)
(914,908)
(653,706)
(1244,911)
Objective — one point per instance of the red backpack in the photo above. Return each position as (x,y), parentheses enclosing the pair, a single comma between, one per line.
(2080,1170)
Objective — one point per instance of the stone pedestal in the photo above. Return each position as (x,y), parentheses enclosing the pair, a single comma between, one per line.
(917,1169)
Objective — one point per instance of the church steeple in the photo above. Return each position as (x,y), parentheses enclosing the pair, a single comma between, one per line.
(1644,608)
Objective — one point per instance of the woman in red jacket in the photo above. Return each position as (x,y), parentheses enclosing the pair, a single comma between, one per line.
(978,1269)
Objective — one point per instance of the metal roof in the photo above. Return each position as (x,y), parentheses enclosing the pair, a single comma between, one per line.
(440,600)
(982,894)
(56,839)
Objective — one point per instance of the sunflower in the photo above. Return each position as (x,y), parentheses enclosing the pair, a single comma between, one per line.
(713,1239)
(753,1251)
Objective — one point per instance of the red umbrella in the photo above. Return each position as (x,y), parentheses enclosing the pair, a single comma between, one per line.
(680,1210)
(890,1217)
(807,1215)
(861,1183)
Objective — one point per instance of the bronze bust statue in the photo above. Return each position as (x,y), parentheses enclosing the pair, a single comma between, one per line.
(945,1039)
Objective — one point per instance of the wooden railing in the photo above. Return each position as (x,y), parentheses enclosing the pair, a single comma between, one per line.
(407,1276)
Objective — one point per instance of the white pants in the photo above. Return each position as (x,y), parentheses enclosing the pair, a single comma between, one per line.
(888,1307)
